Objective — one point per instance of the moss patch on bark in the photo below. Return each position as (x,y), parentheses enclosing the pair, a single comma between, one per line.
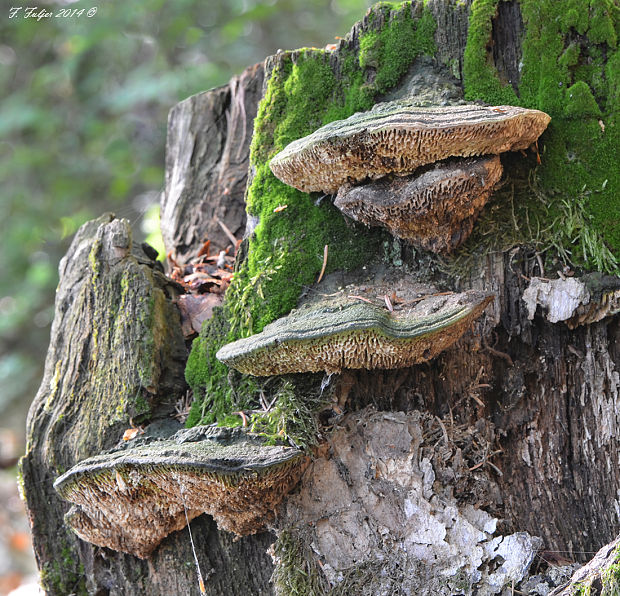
(568,208)
(570,68)
(306,89)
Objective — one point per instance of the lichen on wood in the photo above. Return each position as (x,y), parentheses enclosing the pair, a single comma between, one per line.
(379,514)
(577,301)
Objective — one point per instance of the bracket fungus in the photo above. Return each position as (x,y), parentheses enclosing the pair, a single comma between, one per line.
(435,210)
(129,500)
(353,330)
(398,137)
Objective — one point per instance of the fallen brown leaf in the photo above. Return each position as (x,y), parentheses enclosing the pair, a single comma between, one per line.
(131,433)
(195,309)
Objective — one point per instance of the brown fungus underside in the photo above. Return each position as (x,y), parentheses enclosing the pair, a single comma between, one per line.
(435,210)
(397,137)
(355,328)
(130,500)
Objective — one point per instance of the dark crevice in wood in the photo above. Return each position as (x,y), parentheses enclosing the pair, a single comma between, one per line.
(507,34)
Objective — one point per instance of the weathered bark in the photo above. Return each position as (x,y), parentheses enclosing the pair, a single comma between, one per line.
(207,159)
(601,575)
(452,18)
(116,357)
(535,403)
(558,410)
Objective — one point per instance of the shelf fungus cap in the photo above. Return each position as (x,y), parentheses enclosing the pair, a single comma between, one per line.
(355,332)
(130,500)
(434,210)
(398,137)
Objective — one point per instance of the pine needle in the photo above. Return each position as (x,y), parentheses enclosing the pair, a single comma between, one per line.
(325,251)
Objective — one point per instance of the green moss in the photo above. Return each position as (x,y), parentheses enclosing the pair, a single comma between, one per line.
(570,56)
(286,250)
(564,75)
(93,260)
(141,406)
(575,19)
(296,572)
(63,575)
(454,67)
(601,29)
(292,415)
(609,580)
(480,76)
(391,50)
(582,590)
(560,231)
(580,102)
(217,390)
(611,577)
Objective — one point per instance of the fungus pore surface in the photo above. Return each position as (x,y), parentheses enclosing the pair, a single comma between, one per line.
(129,500)
(356,329)
(434,210)
(397,137)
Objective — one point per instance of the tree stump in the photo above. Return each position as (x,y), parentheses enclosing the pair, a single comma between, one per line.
(116,359)
(510,436)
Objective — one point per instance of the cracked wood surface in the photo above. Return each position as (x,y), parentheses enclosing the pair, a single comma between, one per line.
(550,392)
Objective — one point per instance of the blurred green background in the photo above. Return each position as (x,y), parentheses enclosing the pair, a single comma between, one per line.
(84,102)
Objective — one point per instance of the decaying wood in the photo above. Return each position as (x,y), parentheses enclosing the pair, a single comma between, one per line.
(116,355)
(207,159)
(382,503)
(534,403)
